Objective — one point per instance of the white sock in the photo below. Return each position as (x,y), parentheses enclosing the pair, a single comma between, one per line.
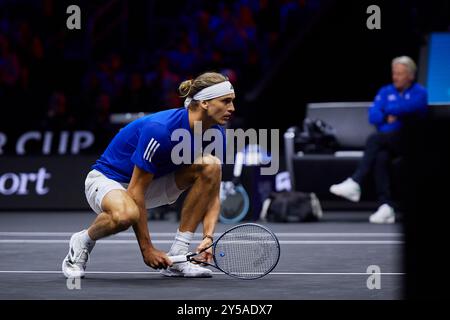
(86,240)
(181,243)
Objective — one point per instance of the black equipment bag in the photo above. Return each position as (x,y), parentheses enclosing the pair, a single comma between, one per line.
(293,206)
(317,137)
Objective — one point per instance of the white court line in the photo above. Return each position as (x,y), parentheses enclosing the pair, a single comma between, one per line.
(33,241)
(168,234)
(157,272)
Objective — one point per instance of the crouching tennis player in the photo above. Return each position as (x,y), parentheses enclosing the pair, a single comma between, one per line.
(136,173)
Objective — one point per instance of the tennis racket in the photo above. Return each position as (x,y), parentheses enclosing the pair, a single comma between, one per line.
(235,202)
(247,251)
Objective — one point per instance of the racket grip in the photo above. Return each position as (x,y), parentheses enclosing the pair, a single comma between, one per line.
(178,259)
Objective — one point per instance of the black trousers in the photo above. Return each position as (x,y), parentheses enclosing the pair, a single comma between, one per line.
(381,148)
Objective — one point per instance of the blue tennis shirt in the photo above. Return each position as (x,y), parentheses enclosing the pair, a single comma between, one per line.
(389,101)
(146,143)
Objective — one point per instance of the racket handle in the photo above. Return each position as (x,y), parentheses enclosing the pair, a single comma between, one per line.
(178,259)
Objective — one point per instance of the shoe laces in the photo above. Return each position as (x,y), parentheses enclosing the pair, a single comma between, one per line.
(82,257)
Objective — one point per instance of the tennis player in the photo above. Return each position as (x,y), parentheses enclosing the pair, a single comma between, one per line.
(136,172)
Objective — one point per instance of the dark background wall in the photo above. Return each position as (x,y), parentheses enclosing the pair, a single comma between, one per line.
(130,56)
(339,59)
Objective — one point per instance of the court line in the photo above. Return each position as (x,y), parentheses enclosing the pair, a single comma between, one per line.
(41,241)
(172,234)
(157,272)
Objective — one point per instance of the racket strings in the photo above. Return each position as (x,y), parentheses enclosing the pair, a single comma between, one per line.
(247,252)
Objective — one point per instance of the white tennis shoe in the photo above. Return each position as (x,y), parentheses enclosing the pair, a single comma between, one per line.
(74,264)
(384,214)
(349,189)
(187,270)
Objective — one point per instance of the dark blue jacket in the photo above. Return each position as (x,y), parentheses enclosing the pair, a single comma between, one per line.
(389,101)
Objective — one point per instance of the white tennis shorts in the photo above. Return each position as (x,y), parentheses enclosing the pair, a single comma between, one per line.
(161,191)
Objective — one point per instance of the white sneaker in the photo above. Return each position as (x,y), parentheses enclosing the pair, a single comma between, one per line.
(384,214)
(349,189)
(74,264)
(187,270)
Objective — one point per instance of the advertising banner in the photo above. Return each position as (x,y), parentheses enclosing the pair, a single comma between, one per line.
(44,182)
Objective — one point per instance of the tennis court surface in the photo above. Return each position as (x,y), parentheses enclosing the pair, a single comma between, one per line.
(341,257)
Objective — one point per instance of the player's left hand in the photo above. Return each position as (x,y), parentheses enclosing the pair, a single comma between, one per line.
(205,256)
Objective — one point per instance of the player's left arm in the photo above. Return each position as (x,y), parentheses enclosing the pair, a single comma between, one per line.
(211,217)
(209,225)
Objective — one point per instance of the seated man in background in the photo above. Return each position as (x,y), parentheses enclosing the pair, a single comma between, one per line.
(404,97)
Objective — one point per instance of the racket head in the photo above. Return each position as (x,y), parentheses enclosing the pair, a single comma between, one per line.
(235,206)
(247,251)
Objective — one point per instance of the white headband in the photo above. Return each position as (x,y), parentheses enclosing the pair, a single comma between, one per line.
(211,92)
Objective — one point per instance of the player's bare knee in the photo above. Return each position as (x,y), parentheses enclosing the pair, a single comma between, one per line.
(210,172)
(130,216)
(206,168)
(125,215)
(208,159)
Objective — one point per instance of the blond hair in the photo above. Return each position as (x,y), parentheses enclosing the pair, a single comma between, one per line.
(189,88)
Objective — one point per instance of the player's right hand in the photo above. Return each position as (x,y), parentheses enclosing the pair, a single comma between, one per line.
(156,259)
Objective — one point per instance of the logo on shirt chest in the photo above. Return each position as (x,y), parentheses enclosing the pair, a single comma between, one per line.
(392,97)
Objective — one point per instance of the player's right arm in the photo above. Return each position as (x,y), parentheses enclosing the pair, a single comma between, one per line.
(150,153)
(139,183)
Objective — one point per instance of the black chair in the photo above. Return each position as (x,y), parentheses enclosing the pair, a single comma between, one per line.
(317,172)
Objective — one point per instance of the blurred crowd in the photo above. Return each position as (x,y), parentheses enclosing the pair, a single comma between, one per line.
(130,56)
